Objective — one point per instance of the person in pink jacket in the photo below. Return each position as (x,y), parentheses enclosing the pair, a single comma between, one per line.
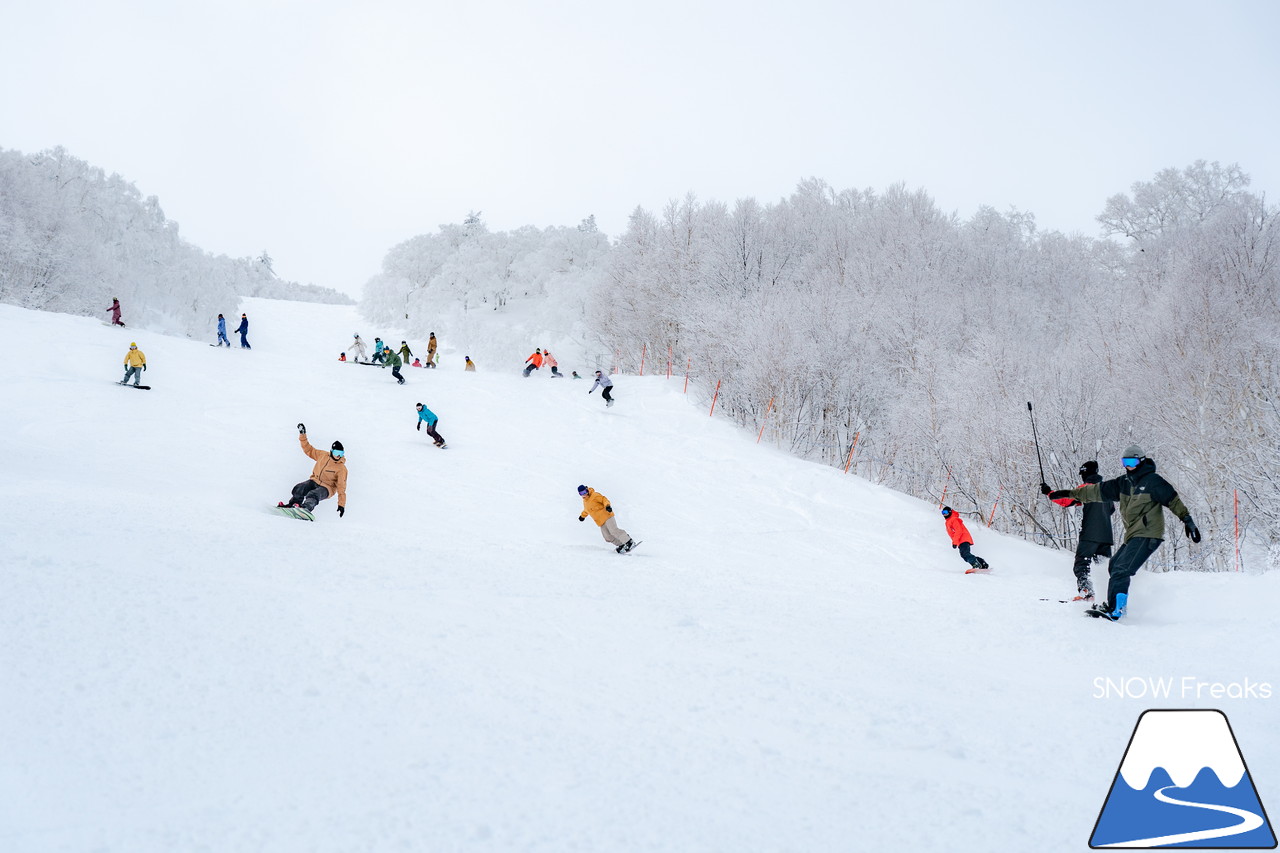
(115,313)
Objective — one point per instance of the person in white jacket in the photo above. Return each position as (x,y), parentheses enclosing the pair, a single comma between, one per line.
(605,384)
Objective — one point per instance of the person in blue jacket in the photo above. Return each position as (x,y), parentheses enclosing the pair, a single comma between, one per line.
(243,329)
(429,417)
(222,331)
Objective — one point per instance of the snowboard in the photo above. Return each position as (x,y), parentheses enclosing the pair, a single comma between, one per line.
(139,387)
(1097,614)
(972,571)
(634,545)
(295,512)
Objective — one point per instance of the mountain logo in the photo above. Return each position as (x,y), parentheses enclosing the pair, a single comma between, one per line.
(1183,783)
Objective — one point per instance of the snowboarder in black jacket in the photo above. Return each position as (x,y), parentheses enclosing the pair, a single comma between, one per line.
(1143,496)
(1095,532)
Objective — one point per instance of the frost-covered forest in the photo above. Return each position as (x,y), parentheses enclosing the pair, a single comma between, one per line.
(73,237)
(834,316)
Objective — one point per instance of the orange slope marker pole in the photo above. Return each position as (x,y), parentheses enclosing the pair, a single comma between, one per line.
(714,397)
(765,421)
(852,447)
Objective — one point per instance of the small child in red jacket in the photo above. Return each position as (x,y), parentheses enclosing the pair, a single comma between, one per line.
(961,539)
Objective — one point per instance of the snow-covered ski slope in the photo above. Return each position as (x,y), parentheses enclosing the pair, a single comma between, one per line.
(794,660)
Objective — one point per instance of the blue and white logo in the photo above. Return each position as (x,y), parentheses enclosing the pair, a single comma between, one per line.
(1183,783)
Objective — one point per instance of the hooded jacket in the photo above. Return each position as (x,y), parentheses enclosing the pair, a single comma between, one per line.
(535,359)
(957,531)
(1142,493)
(134,358)
(328,472)
(593,504)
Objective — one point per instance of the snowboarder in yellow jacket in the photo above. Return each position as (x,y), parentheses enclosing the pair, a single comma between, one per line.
(598,507)
(134,363)
(328,477)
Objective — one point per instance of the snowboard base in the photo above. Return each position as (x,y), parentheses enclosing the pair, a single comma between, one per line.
(139,387)
(295,512)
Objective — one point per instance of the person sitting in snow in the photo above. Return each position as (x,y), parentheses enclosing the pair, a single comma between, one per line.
(961,539)
(417,363)
(328,477)
(598,507)
(342,357)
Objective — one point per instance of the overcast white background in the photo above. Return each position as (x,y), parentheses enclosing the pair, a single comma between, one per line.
(326,132)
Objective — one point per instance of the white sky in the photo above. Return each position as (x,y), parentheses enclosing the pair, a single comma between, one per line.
(325,132)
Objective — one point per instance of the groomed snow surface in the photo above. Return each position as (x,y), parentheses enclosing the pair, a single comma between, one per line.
(794,659)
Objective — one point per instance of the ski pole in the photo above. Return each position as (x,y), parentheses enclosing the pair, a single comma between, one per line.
(1036,438)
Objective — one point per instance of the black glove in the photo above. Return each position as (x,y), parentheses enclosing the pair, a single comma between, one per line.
(302,429)
(1058,495)
(955,546)
(144,368)
(608,508)
(1044,488)
(341,511)
(419,425)
(1193,532)
(582,518)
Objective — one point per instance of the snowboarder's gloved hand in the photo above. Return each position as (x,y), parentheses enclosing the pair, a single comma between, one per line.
(144,368)
(302,429)
(341,511)
(955,546)
(1193,532)
(419,425)
(1059,495)
(608,507)
(582,518)
(1044,488)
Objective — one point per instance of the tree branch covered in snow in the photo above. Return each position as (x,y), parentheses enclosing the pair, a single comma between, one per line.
(875,315)
(73,237)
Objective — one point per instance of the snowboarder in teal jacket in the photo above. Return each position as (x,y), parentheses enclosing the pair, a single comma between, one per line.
(428,417)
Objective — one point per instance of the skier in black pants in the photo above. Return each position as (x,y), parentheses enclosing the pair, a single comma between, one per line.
(1142,494)
(1095,532)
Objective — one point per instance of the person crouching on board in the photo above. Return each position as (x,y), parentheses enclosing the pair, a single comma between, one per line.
(328,477)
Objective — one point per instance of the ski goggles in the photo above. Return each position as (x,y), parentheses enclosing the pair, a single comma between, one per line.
(945,512)
(1130,461)
(338,453)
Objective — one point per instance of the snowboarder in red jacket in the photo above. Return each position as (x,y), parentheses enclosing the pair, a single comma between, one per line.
(961,539)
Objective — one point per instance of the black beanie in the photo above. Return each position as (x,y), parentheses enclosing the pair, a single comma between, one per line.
(337,445)
(1090,467)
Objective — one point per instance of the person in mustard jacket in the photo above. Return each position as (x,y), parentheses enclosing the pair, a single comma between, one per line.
(328,477)
(598,507)
(961,539)
(134,363)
